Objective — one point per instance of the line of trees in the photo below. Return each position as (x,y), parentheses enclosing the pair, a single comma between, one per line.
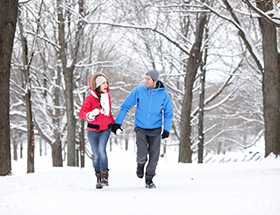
(218,60)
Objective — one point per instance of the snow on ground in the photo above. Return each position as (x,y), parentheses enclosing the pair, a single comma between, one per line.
(241,188)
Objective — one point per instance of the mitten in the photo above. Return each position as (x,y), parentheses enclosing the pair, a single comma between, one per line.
(165,134)
(116,128)
(91,115)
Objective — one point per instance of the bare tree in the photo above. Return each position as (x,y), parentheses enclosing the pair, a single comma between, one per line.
(268,66)
(202,80)
(271,81)
(194,61)
(68,70)
(26,62)
(8,19)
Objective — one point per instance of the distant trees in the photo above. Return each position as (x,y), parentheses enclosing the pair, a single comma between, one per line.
(190,42)
(63,60)
(268,65)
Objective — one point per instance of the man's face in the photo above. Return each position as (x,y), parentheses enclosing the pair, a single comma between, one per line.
(149,82)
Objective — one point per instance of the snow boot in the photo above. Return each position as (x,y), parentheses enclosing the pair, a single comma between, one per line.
(140,170)
(150,184)
(98,182)
(104,178)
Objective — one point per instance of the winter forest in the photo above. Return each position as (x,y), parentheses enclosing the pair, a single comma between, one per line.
(219,61)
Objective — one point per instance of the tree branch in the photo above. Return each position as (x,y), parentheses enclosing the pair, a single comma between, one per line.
(262,14)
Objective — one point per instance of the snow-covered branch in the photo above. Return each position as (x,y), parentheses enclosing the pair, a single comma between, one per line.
(272,16)
(140,27)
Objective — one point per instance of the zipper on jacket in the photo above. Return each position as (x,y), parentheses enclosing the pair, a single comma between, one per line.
(150,105)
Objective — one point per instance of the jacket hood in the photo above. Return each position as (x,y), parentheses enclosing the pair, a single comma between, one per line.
(159,84)
(92,84)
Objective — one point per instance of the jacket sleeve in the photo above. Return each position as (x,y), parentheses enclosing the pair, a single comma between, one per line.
(128,103)
(111,115)
(168,112)
(86,107)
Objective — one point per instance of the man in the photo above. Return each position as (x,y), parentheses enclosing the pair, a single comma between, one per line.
(152,103)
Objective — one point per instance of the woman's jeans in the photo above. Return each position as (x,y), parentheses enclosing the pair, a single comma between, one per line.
(98,142)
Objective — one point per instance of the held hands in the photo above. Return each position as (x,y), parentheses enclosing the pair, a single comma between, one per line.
(91,115)
(165,134)
(116,129)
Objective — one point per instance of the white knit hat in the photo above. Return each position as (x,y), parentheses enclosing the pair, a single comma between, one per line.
(99,80)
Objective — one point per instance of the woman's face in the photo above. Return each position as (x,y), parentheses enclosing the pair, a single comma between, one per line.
(104,87)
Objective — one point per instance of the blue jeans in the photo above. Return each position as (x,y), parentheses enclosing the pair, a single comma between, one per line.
(98,142)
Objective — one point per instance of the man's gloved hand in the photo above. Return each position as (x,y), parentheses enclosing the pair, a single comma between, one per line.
(116,128)
(91,115)
(165,134)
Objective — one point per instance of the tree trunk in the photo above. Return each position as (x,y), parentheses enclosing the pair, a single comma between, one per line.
(82,144)
(68,78)
(28,102)
(126,144)
(57,153)
(82,139)
(15,146)
(271,83)
(185,152)
(202,102)
(40,149)
(21,150)
(8,19)
(201,116)
(68,71)
(57,145)
(30,130)
(71,122)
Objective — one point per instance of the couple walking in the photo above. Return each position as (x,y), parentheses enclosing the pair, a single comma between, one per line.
(152,104)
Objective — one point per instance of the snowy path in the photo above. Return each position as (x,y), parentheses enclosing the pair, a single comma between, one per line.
(182,189)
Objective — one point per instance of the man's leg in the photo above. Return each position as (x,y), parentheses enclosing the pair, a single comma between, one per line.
(142,150)
(154,152)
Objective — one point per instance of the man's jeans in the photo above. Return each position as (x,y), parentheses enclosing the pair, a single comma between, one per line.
(148,148)
(98,142)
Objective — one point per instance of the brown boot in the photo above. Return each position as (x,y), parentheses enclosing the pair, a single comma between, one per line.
(104,178)
(98,182)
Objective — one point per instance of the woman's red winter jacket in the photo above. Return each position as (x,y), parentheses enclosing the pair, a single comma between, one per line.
(101,121)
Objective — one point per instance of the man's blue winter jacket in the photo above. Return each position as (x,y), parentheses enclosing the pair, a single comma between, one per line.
(151,104)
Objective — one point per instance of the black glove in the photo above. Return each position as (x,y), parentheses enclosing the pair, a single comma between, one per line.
(165,134)
(115,127)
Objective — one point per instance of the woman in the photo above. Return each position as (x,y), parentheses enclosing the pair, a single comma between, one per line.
(97,111)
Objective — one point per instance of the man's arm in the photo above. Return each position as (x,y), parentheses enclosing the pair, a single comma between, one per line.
(128,103)
(168,113)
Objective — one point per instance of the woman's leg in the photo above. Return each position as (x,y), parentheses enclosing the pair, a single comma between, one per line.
(93,138)
(103,139)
